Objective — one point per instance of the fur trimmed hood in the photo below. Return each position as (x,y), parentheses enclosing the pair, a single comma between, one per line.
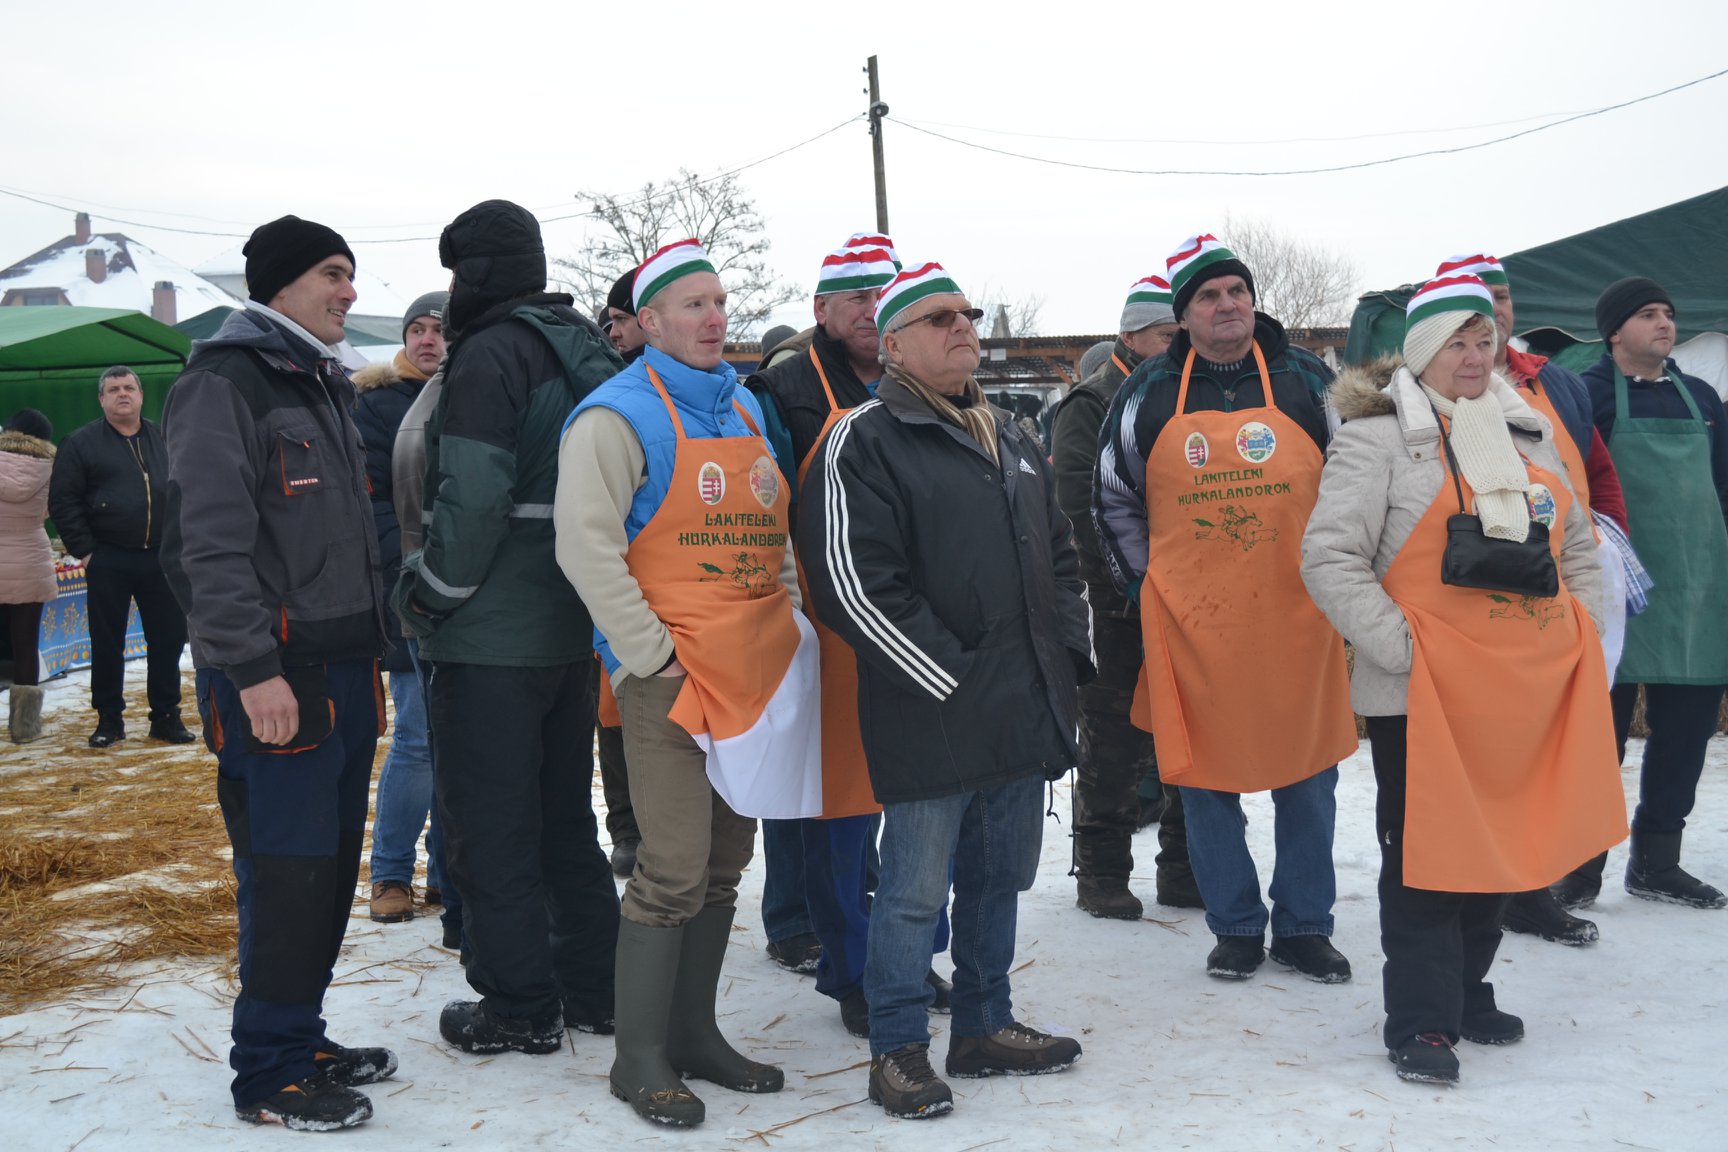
(1385,387)
(378,375)
(23,444)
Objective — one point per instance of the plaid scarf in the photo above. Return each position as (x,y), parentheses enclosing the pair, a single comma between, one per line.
(972,415)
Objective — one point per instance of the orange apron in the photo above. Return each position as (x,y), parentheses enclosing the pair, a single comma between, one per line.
(1244,685)
(1511,779)
(708,563)
(846,787)
(1569,454)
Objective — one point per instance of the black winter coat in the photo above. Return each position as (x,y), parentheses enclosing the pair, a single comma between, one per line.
(108,488)
(956,584)
(385,397)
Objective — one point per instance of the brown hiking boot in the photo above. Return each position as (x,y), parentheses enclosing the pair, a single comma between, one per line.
(1014,1051)
(1108,899)
(907,1087)
(392,902)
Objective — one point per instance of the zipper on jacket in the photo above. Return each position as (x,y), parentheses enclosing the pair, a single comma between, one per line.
(132,443)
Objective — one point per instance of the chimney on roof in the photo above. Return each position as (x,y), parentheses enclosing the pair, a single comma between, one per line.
(95,265)
(81,228)
(162,303)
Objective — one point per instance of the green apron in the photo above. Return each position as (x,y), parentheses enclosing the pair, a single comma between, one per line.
(1677,526)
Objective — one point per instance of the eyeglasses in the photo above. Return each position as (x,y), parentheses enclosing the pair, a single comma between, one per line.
(944,317)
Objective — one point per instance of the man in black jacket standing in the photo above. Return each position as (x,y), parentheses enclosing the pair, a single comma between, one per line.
(269,546)
(106,501)
(934,547)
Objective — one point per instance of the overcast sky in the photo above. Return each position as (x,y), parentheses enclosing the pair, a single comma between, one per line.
(386,126)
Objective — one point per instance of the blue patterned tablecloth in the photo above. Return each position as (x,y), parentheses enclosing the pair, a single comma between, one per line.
(66,627)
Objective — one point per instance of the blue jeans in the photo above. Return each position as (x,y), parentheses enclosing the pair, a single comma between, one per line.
(991,837)
(1304,884)
(784,913)
(405,787)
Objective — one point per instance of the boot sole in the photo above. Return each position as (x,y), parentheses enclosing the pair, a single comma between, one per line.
(652,1118)
(1320,978)
(926,1112)
(1096,914)
(987,1071)
(263,1115)
(391,917)
(1440,1078)
(1576,940)
(1492,1041)
(1669,898)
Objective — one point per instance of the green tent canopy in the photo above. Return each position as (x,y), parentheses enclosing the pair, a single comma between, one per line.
(362,331)
(1683,246)
(52,357)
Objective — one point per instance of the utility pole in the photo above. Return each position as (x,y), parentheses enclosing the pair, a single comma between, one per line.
(878,110)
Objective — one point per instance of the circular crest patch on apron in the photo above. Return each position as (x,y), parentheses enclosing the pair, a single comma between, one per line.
(711,483)
(1541,505)
(765,481)
(1196,451)
(1255,442)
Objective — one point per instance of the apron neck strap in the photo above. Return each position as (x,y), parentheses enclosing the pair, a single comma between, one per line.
(1621,404)
(822,375)
(1188,368)
(1121,367)
(745,413)
(665,397)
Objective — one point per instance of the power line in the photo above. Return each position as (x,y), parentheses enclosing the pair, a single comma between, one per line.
(1310,171)
(1191,141)
(68,207)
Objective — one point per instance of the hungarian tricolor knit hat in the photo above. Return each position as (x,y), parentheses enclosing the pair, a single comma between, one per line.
(1439,308)
(910,287)
(1148,304)
(1484,267)
(667,265)
(865,262)
(1197,260)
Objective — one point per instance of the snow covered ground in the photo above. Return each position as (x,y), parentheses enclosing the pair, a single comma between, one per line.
(1624,1047)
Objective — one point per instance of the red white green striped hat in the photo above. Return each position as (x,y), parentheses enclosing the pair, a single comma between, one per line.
(865,261)
(1149,290)
(1459,292)
(667,265)
(1192,256)
(1149,303)
(1485,267)
(911,286)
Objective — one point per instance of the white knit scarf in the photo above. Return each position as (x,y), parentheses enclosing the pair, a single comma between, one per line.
(1482,444)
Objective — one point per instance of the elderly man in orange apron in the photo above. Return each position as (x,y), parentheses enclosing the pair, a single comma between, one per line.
(1207,470)
(824,870)
(671,522)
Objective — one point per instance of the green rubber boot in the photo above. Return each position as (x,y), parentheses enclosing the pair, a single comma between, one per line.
(694,1043)
(641,1074)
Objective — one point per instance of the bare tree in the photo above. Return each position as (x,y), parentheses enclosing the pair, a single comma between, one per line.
(628,229)
(1303,285)
(1019,316)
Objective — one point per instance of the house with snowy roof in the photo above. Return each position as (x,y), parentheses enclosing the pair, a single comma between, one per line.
(109,270)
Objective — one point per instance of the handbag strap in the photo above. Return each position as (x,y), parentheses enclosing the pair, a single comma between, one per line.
(1451,460)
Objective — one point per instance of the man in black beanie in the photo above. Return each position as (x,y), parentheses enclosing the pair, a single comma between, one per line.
(268,545)
(626,335)
(512,698)
(1668,437)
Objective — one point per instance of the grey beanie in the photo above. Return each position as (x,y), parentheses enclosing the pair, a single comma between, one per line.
(429,304)
(1145,313)
(1093,358)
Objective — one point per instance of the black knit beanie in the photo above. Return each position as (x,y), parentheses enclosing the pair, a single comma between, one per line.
(31,423)
(281,251)
(1623,298)
(620,296)
(1230,267)
(495,253)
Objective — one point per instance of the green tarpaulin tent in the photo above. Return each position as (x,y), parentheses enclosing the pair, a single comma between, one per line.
(52,357)
(363,331)
(1683,246)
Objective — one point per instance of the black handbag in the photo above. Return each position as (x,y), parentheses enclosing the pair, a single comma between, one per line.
(1475,560)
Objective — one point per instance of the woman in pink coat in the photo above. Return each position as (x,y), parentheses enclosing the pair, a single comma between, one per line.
(26,563)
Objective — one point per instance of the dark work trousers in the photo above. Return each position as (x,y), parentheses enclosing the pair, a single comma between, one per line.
(1114,754)
(615,785)
(841,868)
(513,772)
(114,577)
(450,897)
(24,636)
(295,820)
(785,892)
(1439,945)
(1682,718)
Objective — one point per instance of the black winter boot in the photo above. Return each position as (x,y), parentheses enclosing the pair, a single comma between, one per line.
(1654,873)
(472,1027)
(1235,957)
(110,729)
(694,1045)
(1538,913)
(641,1074)
(1107,899)
(1426,1059)
(1580,887)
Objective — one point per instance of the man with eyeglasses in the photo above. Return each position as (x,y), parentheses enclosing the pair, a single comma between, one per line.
(934,547)
(1208,467)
